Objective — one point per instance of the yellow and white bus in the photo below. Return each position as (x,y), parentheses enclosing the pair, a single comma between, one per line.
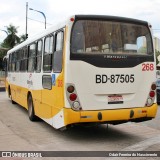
(88,69)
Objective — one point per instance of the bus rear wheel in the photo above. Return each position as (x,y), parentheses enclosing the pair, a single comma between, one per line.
(31,112)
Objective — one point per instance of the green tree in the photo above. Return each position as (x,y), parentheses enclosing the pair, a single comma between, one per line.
(3,52)
(12,39)
(157,54)
(22,38)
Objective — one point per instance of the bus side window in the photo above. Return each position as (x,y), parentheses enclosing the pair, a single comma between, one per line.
(48,52)
(18,60)
(10,64)
(21,61)
(39,56)
(25,58)
(58,54)
(23,66)
(13,61)
(31,59)
(5,66)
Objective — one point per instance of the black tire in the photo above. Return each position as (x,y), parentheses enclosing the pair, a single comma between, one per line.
(13,102)
(31,113)
(10,96)
(9,92)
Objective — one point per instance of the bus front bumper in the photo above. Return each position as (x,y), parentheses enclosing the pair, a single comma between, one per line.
(115,116)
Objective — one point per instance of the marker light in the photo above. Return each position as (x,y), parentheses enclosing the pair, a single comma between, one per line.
(72,19)
(73,97)
(144,111)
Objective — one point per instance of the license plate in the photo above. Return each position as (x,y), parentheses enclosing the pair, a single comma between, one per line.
(115,99)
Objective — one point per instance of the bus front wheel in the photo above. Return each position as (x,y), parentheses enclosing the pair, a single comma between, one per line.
(31,112)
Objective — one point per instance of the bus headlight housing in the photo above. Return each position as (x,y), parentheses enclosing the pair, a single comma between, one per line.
(151,96)
(73,97)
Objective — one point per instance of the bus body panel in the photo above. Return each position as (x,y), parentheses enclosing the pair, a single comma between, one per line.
(47,108)
(94,96)
(111,116)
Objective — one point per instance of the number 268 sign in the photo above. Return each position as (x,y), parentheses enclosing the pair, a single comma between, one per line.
(147,67)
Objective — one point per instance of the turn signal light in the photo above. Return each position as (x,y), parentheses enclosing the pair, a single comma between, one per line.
(70,89)
(153,86)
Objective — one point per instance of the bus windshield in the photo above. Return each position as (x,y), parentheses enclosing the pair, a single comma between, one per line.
(107,37)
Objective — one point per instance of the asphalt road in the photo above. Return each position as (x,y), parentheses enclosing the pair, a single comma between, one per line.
(17,133)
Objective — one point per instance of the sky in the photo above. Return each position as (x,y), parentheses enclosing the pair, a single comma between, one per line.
(14,12)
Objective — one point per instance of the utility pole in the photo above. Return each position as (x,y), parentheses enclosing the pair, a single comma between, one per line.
(26,18)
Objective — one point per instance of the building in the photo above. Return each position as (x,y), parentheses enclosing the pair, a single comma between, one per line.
(156,42)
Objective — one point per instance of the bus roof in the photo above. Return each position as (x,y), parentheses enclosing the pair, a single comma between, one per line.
(110,18)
